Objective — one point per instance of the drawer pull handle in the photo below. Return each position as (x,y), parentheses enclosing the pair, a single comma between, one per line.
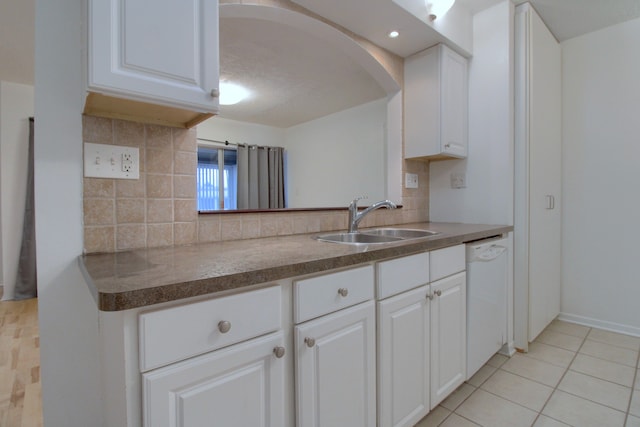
(430,296)
(310,342)
(438,292)
(215,93)
(279,352)
(224,326)
(343,292)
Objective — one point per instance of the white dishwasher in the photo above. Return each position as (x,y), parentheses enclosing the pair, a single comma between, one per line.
(486,300)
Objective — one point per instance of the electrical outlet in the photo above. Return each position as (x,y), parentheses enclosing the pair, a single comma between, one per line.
(127,162)
(410,180)
(111,161)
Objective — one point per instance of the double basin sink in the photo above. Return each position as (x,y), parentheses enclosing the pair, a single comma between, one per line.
(376,236)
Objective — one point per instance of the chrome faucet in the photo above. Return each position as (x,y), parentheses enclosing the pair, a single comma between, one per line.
(355,217)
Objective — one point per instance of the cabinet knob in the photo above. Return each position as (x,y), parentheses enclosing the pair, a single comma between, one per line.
(215,93)
(430,296)
(438,292)
(224,326)
(279,352)
(447,145)
(310,342)
(343,292)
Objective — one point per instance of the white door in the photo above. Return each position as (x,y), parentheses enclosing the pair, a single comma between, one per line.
(448,336)
(336,369)
(161,51)
(545,155)
(238,386)
(538,154)
(403,365)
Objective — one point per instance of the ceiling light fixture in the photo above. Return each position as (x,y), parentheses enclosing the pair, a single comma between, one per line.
(393,34)
(231,93)
(438,8)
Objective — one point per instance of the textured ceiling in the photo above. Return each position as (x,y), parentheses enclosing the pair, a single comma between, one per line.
(565,18)
(295,77)
(571,18)
(298,77)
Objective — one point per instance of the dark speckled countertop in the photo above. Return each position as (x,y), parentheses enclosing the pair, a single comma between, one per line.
(138,278)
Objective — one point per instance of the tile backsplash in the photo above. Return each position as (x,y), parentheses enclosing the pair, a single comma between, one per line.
(160,209)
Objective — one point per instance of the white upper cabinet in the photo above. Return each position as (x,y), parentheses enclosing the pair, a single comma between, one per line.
(162,53)
(436,104)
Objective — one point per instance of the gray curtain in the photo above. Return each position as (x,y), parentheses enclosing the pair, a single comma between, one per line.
(260,177)
(26,282)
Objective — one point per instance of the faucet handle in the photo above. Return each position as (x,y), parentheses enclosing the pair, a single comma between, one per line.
(355,201)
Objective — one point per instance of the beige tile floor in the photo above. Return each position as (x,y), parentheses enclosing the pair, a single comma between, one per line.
(572,375)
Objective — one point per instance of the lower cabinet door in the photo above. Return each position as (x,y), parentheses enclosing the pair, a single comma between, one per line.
(238,386)
(448,336)
(403,364)
(336,369)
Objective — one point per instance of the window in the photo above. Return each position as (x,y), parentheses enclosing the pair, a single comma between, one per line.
(217,178)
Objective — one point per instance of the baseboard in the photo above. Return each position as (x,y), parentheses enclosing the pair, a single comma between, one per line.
(508,349)
(600,324)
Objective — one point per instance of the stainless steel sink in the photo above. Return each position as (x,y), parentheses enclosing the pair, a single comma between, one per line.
(357,238)
(403,233)
(376,236)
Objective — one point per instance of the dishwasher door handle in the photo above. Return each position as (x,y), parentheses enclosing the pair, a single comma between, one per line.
(491,253)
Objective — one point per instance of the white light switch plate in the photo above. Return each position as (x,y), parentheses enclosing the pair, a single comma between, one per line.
(458,180)
(410,180)
(111,161)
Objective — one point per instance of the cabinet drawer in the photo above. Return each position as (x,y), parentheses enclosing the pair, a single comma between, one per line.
(401,274)
(447,261)
(320,295)
(177,333)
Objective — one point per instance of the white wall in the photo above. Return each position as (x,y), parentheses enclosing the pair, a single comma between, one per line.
(328,161)
(220,129)
(454,28)
(488,197)
(335,158)
(68,316)
(16,106)
(601,151)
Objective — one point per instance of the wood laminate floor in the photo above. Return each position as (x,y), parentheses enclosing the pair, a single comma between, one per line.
(20,391)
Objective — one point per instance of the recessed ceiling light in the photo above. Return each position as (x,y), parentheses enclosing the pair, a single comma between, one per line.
(393,34)
(231,93)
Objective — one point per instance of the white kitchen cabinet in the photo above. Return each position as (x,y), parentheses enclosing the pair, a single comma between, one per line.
(436,104)
(403,352)
(448,336)
(214,361)
(241,385)
(421,334)
(336,369)
(538,158)
(212,324)
(160,57)
(228,368)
